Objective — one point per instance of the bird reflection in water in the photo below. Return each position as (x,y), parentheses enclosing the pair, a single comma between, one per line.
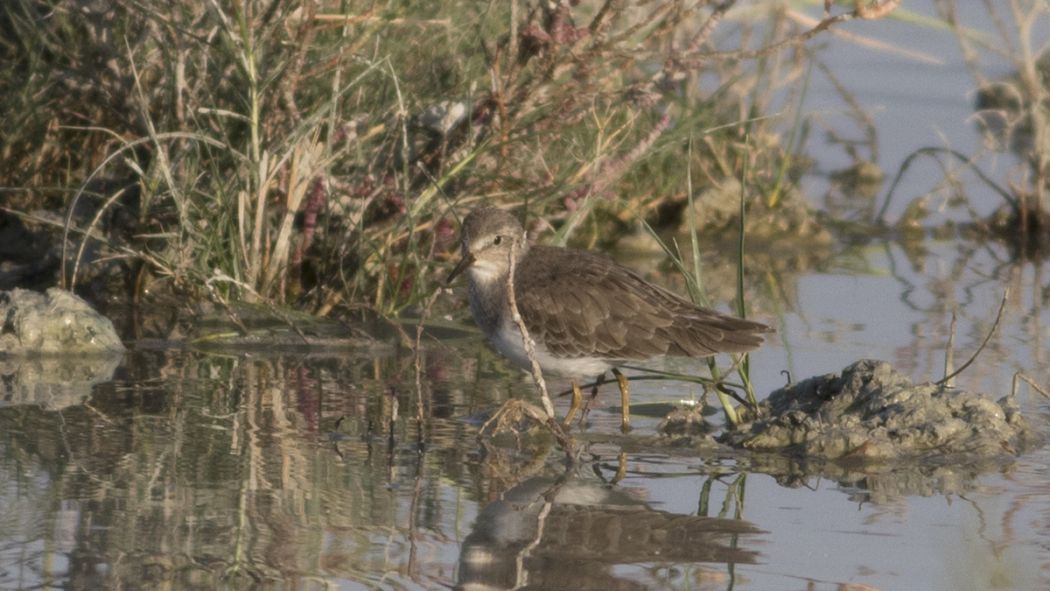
(570,534)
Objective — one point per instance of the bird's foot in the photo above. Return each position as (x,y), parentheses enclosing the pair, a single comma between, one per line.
(512,416)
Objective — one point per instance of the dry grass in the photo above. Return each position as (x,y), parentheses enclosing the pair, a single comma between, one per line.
(311,153)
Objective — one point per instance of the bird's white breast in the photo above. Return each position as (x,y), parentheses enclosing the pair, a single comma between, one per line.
(487,304)
(507,340)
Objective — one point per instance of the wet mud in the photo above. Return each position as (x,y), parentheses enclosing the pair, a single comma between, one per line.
(870,412)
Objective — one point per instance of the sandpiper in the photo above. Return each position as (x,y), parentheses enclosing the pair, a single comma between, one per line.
(585,313)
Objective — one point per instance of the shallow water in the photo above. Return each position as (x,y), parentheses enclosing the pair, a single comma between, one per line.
(235,469)
(192,470)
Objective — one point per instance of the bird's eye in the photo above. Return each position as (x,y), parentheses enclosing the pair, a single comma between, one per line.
(497,240)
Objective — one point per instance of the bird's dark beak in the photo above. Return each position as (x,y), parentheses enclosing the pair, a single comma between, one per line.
(466,261)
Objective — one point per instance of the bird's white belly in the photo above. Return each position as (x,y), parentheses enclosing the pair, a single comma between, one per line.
(508,342)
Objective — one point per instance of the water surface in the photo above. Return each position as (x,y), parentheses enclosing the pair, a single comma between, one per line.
(236,469)
(194,470)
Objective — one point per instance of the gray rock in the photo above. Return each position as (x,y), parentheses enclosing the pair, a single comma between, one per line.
(55,322)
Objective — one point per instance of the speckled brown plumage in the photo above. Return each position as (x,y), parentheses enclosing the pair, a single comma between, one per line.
(579,304)
(585,313)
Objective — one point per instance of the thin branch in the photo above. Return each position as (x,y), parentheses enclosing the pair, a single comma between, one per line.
(421,401)
(861,11)
(949,354)
(987,337)
(966,160)
(709,25)
(530,346)
(1021,377)
(555,427)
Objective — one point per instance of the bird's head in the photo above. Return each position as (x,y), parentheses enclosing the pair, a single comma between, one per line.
(489,234)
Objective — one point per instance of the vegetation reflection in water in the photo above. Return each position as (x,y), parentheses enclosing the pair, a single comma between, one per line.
(195,470)
(198,471)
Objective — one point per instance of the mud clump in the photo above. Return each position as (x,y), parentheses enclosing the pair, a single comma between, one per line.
(791,221)
(871,412)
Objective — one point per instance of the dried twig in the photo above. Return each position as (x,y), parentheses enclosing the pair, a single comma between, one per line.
(709,25)
(949,353)
(420,401)
(861,11)
(1021,377)
(353,19)
(530,346)
(530,350)
(966,160)
(987,337)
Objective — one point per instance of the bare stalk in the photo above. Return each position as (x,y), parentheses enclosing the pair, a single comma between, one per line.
(998,316)
(530,346)
(949,354)
(1021,377)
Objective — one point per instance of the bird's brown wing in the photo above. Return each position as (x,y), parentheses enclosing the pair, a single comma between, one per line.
(578,304)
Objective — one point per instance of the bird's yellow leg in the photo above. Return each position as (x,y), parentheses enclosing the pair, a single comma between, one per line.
(577,400)
(625,400)
(621,467)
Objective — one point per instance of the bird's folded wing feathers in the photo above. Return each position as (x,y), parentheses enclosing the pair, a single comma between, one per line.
(579,304)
